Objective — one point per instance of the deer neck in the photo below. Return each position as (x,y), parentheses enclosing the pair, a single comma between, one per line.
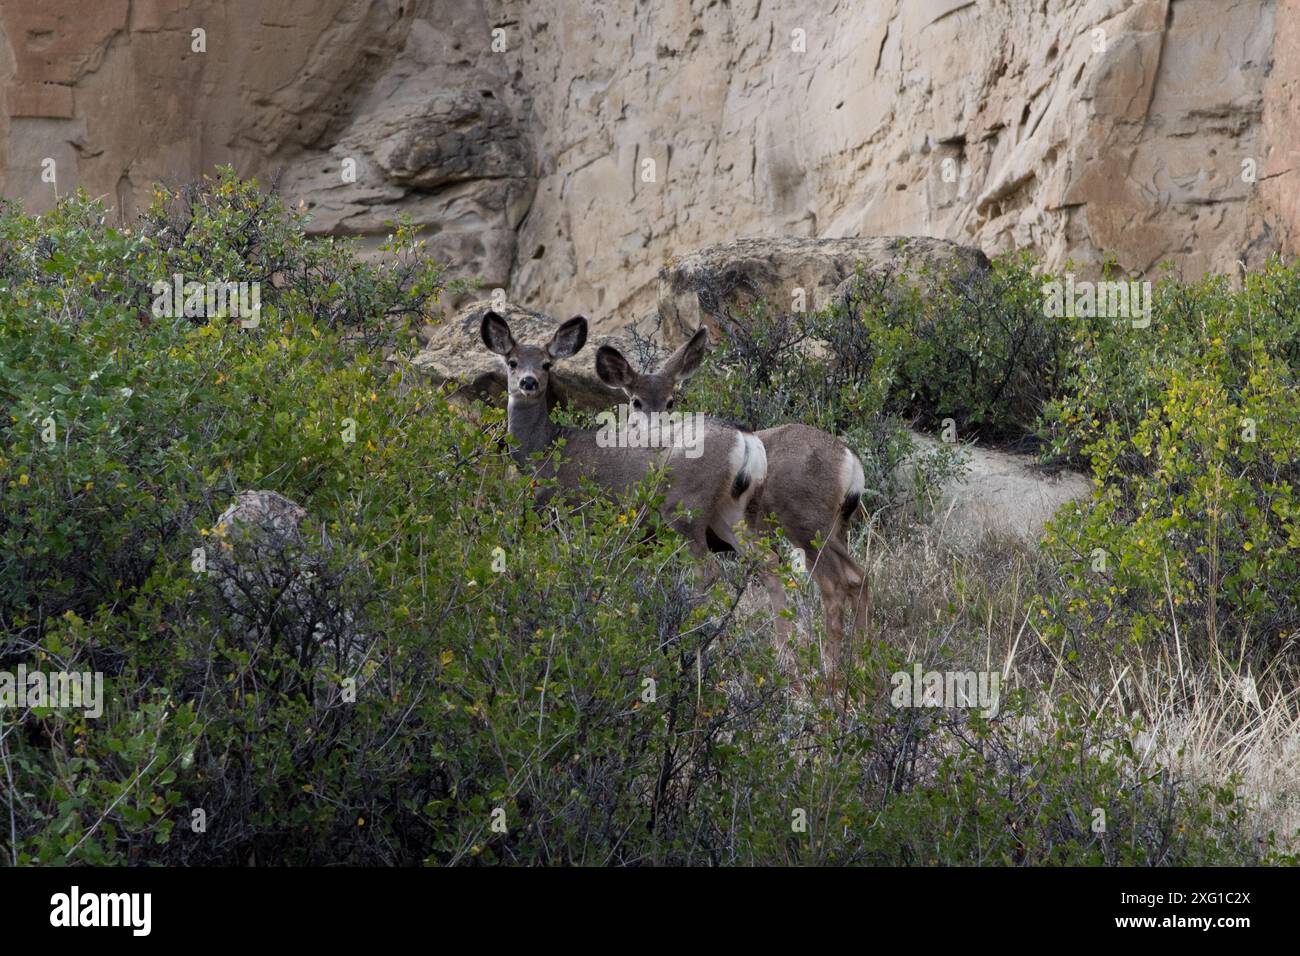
(531,426)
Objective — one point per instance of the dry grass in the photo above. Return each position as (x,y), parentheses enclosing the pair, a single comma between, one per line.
(1208,721)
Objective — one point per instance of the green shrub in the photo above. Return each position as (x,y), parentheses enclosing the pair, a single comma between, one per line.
(896,351)
(540,687)
(1188,425)
(773,368)
(1192,429)
(975,348)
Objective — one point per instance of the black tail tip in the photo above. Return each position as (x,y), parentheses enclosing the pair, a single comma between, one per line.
(740,485)
(849,508)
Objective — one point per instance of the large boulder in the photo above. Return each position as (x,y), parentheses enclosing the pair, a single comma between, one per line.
(455,354)
(275,584)
(999,494)
(704,287)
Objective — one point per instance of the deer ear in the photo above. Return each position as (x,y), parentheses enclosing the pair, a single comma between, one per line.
(568,339)
(496,333)
(614,370)
(685,362)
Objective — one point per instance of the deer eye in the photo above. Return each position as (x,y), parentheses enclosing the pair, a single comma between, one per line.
(514,364)
(636,403)
(670,403)
(546,366)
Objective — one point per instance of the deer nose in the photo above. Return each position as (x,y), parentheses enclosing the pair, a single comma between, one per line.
(528,383)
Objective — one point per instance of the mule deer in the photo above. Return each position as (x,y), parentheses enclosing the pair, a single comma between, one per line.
(714,486)
(814,488)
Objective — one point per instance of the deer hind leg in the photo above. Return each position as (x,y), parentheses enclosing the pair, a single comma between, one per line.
(855,587)
(777,603)
(859,589)
(827,571)
(782,622)
(696,531)
(844,588)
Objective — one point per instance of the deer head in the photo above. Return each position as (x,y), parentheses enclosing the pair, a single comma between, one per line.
(651,392)
(528,367)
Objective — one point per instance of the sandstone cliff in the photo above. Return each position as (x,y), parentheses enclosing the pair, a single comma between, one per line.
(566,150)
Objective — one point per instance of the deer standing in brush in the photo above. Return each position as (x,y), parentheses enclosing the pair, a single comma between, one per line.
(814,489)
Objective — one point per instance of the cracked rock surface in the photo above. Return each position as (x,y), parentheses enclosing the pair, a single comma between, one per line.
(598,141)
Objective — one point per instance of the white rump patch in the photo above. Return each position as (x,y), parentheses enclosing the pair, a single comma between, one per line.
(757,465)
(852,480)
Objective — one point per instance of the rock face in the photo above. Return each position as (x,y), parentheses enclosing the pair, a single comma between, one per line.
(697,289)
(565,151)
(362,110)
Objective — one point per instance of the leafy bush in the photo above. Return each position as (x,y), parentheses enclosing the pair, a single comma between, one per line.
(540,687)
(773,368)
(896,351)
(1192,428)
(1188,424)
(972,347)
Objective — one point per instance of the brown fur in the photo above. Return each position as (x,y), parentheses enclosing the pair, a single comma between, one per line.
(803,491)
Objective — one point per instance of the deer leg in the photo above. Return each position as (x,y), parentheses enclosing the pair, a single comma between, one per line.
(774,584)
(854,592)
(860,597)
(781,622)
(828,572)
(706,565)
(855,586)
(770,563)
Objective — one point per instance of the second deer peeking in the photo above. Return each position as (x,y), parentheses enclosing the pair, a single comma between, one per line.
(813,489)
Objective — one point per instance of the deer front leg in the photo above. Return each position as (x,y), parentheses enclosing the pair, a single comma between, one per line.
(769,561)
(787,658)
(707,569)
